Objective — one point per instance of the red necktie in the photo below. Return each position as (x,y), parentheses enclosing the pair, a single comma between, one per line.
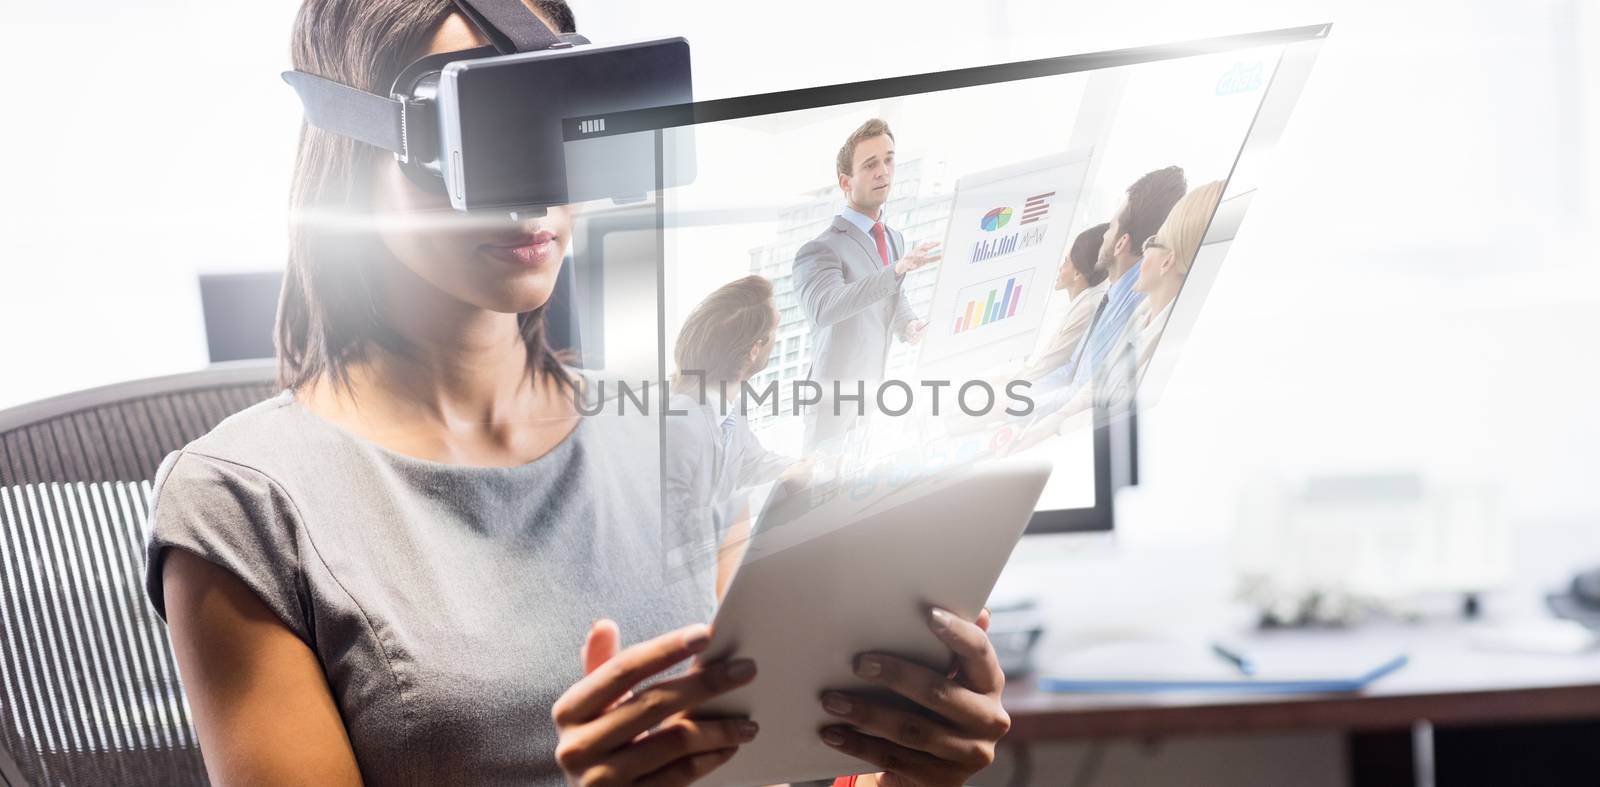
(883,244)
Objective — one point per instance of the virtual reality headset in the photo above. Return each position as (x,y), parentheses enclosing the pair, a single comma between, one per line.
(519,125)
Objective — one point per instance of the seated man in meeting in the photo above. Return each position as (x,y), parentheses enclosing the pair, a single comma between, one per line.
(712,457)
(1143,208)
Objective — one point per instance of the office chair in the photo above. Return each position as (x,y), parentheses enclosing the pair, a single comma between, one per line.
(89,691)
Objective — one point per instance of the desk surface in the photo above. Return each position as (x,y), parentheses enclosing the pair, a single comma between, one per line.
(1449,680)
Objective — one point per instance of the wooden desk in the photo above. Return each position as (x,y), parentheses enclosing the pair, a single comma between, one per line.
(1448,681)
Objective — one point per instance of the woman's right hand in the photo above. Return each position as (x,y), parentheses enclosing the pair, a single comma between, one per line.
(610,735)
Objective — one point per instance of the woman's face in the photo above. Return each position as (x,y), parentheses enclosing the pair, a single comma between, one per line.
(1065,274)
(488,261)
(1157,264)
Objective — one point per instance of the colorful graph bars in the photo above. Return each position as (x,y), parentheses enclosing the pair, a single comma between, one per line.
(986,303)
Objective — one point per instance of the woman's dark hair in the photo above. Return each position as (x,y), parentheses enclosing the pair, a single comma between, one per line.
(1085,253)
(328,312)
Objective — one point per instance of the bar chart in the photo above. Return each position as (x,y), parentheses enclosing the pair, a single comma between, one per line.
(989,302)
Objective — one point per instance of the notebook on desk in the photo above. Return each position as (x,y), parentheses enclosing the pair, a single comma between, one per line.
(1152,666)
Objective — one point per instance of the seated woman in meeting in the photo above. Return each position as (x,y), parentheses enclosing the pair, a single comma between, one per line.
(1084,282)
(392,572)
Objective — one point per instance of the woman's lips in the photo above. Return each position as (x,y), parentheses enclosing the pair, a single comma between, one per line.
(533,250)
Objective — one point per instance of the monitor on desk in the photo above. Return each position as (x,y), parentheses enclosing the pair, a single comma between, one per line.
(239,311)
(1007,168)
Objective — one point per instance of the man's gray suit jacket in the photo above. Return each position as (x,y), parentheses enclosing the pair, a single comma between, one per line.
(856,309)
(852,300)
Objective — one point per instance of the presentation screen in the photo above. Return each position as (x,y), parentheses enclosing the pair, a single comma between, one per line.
(880,278)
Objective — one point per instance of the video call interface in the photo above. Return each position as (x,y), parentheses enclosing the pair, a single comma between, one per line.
(1052,222)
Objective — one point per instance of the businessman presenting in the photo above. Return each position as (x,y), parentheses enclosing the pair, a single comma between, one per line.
(848,281)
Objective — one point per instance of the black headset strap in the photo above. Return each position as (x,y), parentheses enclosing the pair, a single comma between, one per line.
(350,112)
(508,24)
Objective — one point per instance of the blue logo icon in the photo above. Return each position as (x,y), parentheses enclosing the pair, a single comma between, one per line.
(1242,78)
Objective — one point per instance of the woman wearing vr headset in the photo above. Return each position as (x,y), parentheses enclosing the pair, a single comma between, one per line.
(392,573)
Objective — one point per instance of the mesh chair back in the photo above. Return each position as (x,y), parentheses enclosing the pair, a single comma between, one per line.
(89,690)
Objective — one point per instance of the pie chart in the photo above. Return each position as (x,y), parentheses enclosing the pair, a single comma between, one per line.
(995,219)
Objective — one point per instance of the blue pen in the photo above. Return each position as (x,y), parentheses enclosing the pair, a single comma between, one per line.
(1238,660)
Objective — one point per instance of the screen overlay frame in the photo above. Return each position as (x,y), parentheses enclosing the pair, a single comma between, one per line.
(1113,431)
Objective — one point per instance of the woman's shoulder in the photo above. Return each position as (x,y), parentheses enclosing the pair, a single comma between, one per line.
(268,438)
(240,448)
(246,429)
(217,498)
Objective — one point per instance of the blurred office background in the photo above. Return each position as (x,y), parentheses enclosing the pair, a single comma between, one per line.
(1415,290)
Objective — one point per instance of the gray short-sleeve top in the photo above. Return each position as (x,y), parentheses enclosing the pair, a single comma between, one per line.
(446,604)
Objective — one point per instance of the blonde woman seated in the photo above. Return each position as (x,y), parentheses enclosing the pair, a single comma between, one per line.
(1167,257)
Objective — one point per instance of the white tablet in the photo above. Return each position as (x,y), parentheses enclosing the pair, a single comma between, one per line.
(852,573)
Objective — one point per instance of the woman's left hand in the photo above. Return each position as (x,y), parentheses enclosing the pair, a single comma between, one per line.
(953,733)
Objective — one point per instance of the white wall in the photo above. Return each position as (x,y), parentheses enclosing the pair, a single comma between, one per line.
(143,142)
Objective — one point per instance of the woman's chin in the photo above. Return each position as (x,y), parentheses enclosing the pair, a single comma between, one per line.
(506,297)
(518,305)
(515,294)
